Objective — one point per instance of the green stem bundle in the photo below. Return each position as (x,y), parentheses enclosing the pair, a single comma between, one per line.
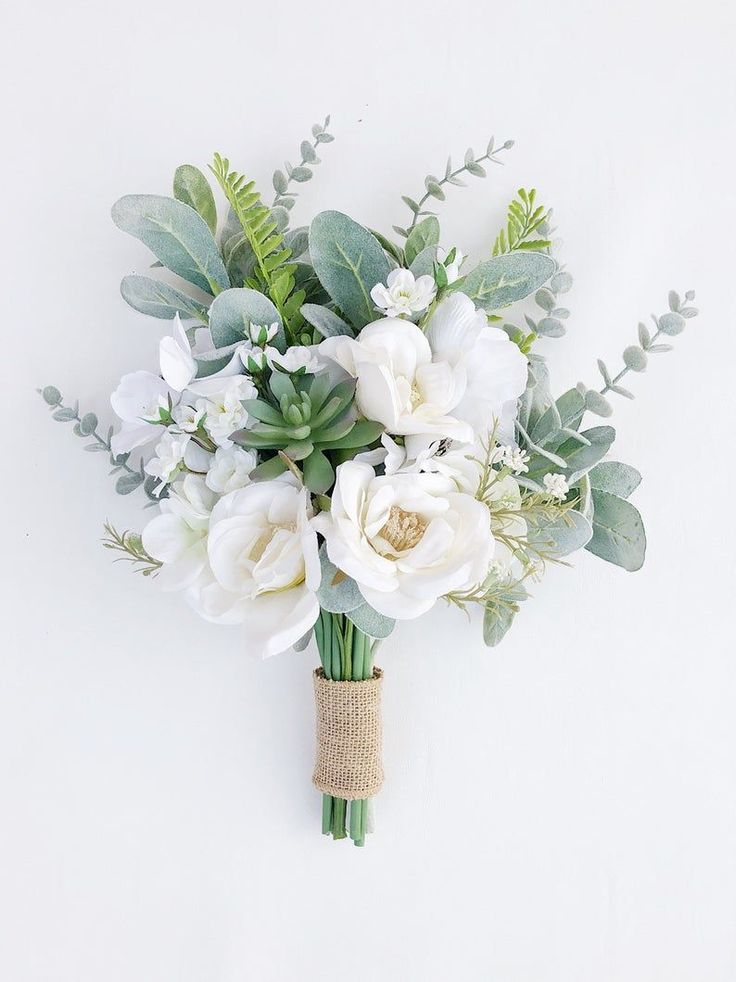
(346,654)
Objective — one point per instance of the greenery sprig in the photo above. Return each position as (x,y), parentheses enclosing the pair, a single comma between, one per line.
(130,545)
(523,219)
(303,171)
(433,185)
(85,426)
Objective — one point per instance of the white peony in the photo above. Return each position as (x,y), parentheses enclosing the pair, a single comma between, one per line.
(404,294)
(230,470)
(169,455)
(224,412)
(177,536)
(406,539)
(264,566)
(138,401)
(398,382)
(494,370)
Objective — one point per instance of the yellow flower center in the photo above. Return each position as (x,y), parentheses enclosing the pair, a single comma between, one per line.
(404,529)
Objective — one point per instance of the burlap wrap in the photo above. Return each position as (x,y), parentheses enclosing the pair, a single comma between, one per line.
(348,761)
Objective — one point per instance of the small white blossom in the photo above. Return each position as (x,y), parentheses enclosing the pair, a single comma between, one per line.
(188,418)
(556,486)
(224,412)
(253,359)
(297,359)
(404,294)
(230,470)
(511,457)
(170,452)
(452,269)
(261,334)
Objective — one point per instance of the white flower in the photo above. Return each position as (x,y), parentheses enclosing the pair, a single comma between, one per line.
(297,359)
(503,497)
(261,334)
(224,412)
(404,294)
(170,452)
(512,457)
(178,366)
(264,565)
(556,485)
(492,367)
(253,359)
(230,469)
(399,383)
(188,418)
(177,536)
(452,269)
(138,401)
(406,539)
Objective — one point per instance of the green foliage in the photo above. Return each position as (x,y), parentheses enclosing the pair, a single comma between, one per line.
(177,235)
(130,545)
(434,186)
(499,614)
(370,622)
(193,188)
(302,418)
(157,299)
(325,321)
(337,593)
(618,531)
(550,325)
(423,236)
(636,357)
(348,262)
(614,477)
(524,218)
(560,534)
(128,478)
(502,280)
(234,310)
(303,172)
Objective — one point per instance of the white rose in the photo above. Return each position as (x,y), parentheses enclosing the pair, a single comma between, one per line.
(177,536)
(406,539)
(230,469)
(264,565)
(404,294)
(398,382)
(494,369)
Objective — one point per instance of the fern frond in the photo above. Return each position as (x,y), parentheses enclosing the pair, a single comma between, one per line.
(524,218)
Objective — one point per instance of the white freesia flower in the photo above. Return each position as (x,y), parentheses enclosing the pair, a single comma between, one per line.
(298,358)
(138,401)
(177,536)
(452,269)
(399,383)
(406,539)
(556,485)
(494,370)
(224,412)
(264,565)
(169,455)
(178,366)
(230,470)
(260,334)
(404,294)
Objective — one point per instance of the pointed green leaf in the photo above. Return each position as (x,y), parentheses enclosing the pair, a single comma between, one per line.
(426,233)
(618,532)
(158,299)
(193,188)
(505,279)
(233,310)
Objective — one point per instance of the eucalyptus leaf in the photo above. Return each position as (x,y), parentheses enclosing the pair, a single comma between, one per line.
(325,321)
(618,532)
(507,278)
(425,233)
(128,482)
(566,534)
(175,234)
(158,299)
(369,621)
(233,310)
(496,623)
(424,262)
(193,189)
(349,262)
(614,477)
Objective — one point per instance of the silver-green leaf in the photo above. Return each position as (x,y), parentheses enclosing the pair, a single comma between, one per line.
(193,189)
(233,310)
(158,299)
(505,279)
(618,532)
(614,477)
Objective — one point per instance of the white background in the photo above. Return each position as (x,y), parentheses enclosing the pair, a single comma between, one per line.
(561,808)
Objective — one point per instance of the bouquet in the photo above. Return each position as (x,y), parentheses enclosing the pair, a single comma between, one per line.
(345,427)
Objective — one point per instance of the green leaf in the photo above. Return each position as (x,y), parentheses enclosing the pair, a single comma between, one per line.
(233,310)
(565,534)
(158,299)
(507,278)
(363,433)
(618,531)
(426,233)
(635,358)
(51,395)
(496,623)
(424,262)
(370,622)
(176,235)
(348,262)
(337,597)
(65,415)
(193,189)
(569,408)
(597,403)
(325,321)
(579,458)
(88,424)
(128,482)
(614,477)
(318,473)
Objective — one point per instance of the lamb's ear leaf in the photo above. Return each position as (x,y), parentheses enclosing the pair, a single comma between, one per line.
(193,188)
(423,235)
(325,321)
(349,262)
(564,535)
(370,622)
(505,279)
(158,299)
(337,594)
(233,310)
(614,477)
(177,235)
(496,623)
(618,531)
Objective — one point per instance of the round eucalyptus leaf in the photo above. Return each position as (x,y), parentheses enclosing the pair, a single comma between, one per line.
(635,358)
(671,323)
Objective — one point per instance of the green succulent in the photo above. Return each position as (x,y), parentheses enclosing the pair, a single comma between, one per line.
(301,419)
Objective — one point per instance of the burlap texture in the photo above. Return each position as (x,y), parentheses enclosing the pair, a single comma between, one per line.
(349,736)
